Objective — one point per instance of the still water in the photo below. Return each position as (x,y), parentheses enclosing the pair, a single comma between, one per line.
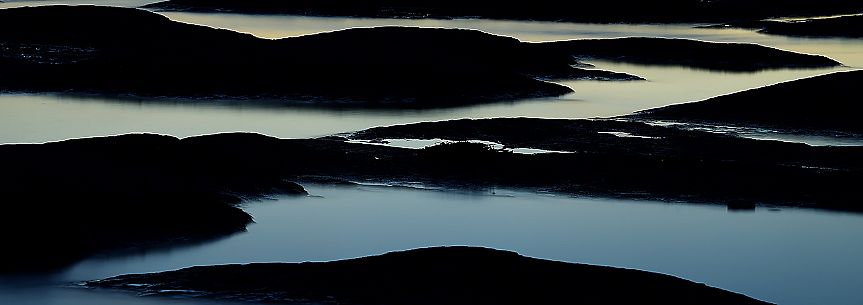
(47,117)
(787,256)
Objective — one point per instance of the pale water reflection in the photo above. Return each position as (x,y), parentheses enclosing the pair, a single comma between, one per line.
(789,257)
(26,118)
(792,256)
(41,118)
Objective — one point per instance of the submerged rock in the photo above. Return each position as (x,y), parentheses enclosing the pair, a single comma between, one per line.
(821,104)
(432,276)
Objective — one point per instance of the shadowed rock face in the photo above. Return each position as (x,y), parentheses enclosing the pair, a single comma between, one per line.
(551,10)
(821,104)
(441,276)
(843,26)
(118,51)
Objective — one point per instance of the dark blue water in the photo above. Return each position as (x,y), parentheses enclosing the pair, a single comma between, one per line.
(788,256)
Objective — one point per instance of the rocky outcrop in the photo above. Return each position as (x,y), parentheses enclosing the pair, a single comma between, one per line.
(121,52)
(821,104)
(841,27)
(739,57)
(431,276)
(69,200)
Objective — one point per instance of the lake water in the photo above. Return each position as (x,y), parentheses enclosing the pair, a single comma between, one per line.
(47,117)
(790,256)
(787,256)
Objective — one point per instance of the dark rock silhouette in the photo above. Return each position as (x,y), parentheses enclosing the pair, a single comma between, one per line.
(742,57)
(119,51)
(550,10)
(841,26)
(821,104)
(646,162)
(66,201)
(69,200)
(129,51)
(439,276)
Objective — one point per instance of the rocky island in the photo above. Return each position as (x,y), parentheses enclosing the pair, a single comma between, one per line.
(823,104)
(429,276)
(131,52)
(850,26)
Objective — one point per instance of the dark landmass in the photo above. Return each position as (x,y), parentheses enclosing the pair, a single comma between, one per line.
(741,57)
(649,162)
(842,27)
(821,104)
(69,200)
(430,276)
(128,51)
(120,51)
(549,10)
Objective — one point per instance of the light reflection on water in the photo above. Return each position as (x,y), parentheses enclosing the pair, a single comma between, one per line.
(41,118)
(789,257)
(45,117)
(792,257)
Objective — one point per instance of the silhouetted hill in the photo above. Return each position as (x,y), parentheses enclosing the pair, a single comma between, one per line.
(119,51)
(821,104)
(430,276)
(550,10)
(128,51)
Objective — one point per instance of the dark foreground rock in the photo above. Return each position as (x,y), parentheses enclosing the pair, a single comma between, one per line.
(842,26)
(550,10)
(821,104)
(432,276)
(66,201)
(119,51)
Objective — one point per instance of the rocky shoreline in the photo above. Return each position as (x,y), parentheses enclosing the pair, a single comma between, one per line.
(823,104)
(131,52)
(429,276)
(829,27)
(130,183)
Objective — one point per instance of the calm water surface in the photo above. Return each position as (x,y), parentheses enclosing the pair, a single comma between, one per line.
(46,117)
(789,256)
